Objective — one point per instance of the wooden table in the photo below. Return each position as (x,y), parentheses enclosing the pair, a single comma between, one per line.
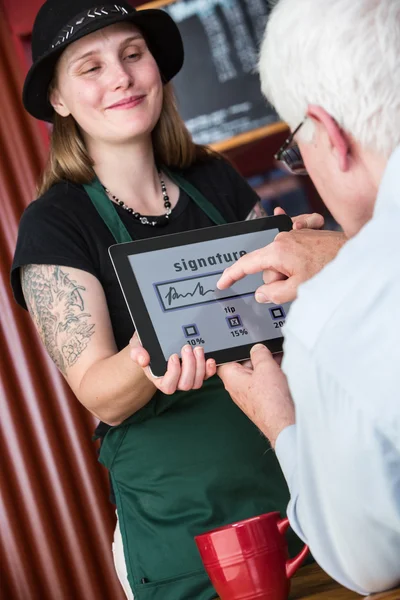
(311,583)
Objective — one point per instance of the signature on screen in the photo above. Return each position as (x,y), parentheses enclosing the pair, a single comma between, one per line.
(174,295)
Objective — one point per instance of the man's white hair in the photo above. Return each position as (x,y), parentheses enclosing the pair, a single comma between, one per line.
(343,55)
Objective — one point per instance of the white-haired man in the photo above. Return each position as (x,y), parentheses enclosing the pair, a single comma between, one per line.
(332,70)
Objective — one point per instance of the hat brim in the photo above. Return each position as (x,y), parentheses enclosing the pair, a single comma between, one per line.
(162,36)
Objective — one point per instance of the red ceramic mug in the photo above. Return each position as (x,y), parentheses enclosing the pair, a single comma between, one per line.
(249,560)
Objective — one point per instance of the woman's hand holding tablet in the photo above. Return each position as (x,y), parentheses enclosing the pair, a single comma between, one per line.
(185,375)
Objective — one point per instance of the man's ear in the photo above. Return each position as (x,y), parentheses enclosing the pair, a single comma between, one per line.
(58,103)
(339,140)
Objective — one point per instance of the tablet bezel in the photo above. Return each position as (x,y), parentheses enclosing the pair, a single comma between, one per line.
(119,254)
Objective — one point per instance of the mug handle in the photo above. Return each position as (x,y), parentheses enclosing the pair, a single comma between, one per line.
(293,563)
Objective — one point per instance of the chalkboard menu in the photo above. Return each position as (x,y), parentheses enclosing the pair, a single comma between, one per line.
(218,89)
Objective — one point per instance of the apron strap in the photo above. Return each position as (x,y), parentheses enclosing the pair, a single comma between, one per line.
(111,218)
(107,211)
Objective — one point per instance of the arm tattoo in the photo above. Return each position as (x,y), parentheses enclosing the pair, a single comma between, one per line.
(256,212)
(57,308)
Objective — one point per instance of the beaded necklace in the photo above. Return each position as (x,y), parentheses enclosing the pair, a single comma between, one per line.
(155,221)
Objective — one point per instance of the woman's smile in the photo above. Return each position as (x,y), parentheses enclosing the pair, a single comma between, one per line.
(127,103)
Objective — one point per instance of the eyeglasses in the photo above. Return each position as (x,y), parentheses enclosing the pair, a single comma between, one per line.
(289,154)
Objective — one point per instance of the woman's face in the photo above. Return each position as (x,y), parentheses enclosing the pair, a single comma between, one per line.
(110,83)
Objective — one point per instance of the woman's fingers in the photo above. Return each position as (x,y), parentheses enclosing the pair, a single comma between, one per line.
(211,368)
(140,356)
(200,367)
(313,221)
(279,211)
(186,374)
(188,369)
(169,382)
(137,353)
(308,221)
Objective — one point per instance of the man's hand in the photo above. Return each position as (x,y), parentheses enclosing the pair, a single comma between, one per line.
(260,389)
(291,259)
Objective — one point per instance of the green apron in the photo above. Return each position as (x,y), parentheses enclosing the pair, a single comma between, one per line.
(182,465)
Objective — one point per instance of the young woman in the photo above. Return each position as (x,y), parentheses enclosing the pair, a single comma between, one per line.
(183,458)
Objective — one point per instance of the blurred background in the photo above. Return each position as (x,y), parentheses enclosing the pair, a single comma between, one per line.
(56,520)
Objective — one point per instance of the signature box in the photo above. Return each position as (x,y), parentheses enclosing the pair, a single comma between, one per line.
(182,293)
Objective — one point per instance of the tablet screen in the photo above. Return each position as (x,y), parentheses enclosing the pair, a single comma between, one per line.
(178,285)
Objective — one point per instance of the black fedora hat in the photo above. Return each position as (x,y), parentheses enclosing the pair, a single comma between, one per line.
(61,22)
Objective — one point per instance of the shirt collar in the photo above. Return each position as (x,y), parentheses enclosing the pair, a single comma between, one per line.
(389,189)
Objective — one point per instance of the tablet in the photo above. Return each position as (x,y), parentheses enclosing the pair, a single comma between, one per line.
(169,284)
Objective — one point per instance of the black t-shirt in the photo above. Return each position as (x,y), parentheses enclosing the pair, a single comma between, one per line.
(63,228)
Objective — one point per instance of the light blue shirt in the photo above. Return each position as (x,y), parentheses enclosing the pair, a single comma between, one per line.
(342,359)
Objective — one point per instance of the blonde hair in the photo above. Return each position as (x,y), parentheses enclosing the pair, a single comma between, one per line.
(69,159)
